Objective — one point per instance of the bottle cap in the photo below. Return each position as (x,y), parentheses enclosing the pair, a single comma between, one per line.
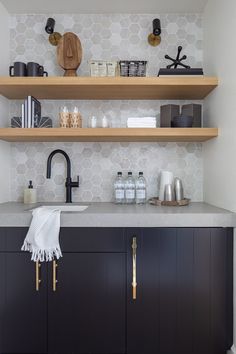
(119,173)
(140,173)
(129,173)
(30,185)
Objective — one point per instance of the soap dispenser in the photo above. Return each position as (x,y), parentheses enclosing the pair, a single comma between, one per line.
(30,195)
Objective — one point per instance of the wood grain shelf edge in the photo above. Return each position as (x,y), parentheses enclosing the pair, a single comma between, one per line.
(108,134)
(113,88)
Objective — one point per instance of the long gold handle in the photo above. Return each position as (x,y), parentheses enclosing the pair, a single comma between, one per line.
(54,276)
(37,275)
(134,282)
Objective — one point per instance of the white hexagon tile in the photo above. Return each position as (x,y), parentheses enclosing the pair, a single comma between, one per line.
(107,37)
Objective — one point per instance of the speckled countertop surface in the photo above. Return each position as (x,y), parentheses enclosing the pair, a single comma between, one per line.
(111,215)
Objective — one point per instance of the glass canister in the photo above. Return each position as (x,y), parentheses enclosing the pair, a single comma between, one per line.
(92,123)
(105,122)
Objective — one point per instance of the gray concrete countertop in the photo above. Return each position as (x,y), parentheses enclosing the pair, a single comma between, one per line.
(111,215)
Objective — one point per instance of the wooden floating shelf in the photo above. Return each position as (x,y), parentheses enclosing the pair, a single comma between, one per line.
(108,88)
(108,134)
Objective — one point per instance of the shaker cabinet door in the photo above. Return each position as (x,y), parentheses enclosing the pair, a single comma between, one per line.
(23,309)
(87,307)
(142,300)
(152,321)
(183,299)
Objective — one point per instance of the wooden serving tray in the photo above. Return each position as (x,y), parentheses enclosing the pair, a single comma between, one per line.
(156,201)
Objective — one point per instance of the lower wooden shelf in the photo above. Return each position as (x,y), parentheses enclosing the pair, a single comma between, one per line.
(108,134)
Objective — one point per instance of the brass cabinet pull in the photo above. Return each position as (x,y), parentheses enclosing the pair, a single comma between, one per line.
(37,275)
(54,276)
(134,282)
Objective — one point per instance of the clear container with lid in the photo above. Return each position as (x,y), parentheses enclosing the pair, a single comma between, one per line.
(93,122)
(105,122)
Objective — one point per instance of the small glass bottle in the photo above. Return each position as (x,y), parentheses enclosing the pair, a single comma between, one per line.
(92,123)
(141,189)
(119,189)
(105,122)
(130,189)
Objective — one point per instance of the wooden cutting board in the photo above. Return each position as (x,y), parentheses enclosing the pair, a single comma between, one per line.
(69,53)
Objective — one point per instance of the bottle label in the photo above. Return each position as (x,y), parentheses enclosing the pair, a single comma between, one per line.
(120,194)
(140,194)
(129,193)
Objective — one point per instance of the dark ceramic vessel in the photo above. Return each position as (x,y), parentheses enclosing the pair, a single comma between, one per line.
(182,121)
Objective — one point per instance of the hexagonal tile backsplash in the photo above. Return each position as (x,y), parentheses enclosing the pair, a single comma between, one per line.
(109,37)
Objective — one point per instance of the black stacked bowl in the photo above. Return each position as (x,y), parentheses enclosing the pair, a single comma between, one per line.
(182,121)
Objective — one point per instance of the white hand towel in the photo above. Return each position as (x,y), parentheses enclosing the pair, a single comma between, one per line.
(42,239)
(142,118)
(141,125)
(141,122)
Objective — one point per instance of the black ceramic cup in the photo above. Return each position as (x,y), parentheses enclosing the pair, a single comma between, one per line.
(18,69)
(34,69)
(42,72)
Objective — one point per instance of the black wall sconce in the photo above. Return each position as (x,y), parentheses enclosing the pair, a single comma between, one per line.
(54,37)
(50,25)
(154,38)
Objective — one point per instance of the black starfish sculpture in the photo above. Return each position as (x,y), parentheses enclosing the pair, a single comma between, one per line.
(178,60)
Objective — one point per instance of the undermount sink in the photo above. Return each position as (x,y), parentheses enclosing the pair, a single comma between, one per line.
(66,208)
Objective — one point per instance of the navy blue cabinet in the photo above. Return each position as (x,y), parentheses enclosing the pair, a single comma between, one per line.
(23,310)
(118,291)
(184,291)
(87,308)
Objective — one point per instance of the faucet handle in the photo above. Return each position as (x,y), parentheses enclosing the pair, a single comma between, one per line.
(75,184)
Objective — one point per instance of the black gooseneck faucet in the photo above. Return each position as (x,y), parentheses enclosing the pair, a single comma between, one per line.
(69,184)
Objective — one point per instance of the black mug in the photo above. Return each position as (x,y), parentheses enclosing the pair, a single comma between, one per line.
(18,69)
(42,72)
(34,69)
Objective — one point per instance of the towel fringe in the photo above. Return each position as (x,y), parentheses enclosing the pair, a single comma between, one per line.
(40,255)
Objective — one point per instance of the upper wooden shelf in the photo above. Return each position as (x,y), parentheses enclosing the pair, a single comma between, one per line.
(109,134)
(108,88)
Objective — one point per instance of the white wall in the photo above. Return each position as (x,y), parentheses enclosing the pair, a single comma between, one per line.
(219,155)
(5,153)
(220,107)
